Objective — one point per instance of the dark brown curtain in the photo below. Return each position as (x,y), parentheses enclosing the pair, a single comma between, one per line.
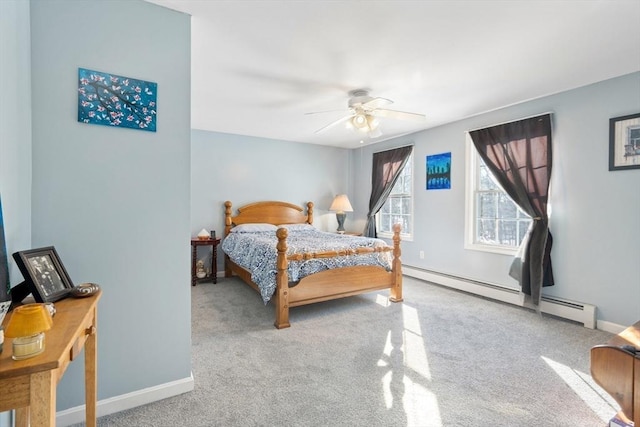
(519,156)
(387,166)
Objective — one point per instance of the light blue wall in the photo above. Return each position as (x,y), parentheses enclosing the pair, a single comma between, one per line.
(244,169)
(15,127)
(113,201)
(595,212)
(15,132)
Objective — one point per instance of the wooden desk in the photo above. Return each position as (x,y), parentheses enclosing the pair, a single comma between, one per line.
(29,385)
(214,255)
(618,371)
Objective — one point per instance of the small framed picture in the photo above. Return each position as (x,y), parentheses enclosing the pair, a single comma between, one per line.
(624,142)
(44,273)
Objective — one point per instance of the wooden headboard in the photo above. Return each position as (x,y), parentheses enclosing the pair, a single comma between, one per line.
(270,212)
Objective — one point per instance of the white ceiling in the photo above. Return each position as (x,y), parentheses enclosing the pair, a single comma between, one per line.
(259,66)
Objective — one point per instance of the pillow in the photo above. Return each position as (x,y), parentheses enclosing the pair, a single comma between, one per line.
(252,228)
(295,227)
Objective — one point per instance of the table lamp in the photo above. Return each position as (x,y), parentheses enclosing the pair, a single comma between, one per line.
(341,205)
(27,326)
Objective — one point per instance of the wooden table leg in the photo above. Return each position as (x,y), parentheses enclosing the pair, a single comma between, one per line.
(214,263)
(42,411)
(22,417)
(636,398)
(194,253)
(90,372)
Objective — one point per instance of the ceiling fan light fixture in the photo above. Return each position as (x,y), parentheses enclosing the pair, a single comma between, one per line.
(364,111)
(372,122)
(365,123)
(359,121)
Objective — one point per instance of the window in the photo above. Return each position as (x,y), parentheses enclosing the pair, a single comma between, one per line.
(399,205)
(494,222)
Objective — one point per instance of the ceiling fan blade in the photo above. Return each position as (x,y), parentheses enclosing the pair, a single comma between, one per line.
(342,110)
(376,103)
(332,124)
(401,115)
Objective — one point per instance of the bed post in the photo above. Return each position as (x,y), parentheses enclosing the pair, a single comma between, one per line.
(227,228)
(282,282)
(309,212)
(396,269)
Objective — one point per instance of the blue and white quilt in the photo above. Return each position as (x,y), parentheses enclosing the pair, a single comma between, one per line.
(256,252)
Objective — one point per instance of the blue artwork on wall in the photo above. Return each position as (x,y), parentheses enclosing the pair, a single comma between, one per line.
(111,100)
(439,171)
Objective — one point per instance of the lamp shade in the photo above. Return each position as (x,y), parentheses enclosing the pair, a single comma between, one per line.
(341,204)
(373,123)
(27,320)
(359,121)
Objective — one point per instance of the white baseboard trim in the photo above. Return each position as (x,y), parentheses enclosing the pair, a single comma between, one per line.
(614,328)
(127,401)
(571,310)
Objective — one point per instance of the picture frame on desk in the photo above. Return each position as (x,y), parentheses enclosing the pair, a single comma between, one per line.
(44,274)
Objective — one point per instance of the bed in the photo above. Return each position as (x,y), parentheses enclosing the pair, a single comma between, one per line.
(338,266)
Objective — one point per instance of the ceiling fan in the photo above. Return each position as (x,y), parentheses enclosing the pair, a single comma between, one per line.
(363,111)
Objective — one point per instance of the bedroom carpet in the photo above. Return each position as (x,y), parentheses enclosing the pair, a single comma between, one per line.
(440,358)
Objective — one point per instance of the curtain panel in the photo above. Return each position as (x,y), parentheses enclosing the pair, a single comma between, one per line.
(519,154)
(387,166)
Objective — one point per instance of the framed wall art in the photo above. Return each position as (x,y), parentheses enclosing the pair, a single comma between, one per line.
(439,171)
(112,100)
(44,274)
(624,142)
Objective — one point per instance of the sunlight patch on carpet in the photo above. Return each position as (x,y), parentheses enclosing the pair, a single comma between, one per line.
(405,384)
(386,389)
(420,405)
(415,353)
(584,386)
(382,300)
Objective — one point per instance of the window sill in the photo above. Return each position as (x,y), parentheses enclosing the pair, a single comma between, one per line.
(496,249)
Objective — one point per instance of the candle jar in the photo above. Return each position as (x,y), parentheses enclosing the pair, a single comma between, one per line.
(25,347)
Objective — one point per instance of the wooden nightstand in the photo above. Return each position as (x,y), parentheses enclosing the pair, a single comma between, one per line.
(194,255)
(352,233)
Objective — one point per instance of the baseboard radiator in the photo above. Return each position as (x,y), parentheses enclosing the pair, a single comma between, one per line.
(570,310)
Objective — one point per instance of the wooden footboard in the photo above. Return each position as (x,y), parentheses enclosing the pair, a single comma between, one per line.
(333,284)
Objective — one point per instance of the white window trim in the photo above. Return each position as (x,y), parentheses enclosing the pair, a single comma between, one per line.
(471,168)
(408,237)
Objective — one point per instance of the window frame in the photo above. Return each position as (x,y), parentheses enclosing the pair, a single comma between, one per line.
(405,236)
(472,160)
